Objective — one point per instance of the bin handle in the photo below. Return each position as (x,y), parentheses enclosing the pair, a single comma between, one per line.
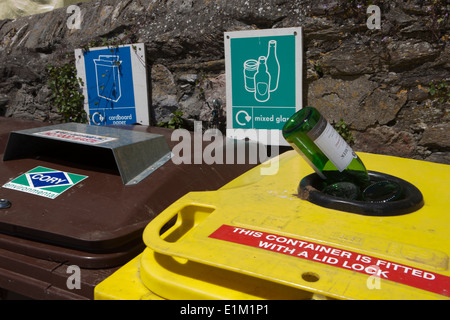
(163,232)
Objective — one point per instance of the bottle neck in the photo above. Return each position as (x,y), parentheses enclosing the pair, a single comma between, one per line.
(262,67)
(272,47)
(300,121)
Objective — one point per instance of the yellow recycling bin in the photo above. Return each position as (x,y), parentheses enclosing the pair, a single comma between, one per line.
(255,238)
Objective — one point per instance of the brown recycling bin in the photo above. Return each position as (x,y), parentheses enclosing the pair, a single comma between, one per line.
(97,223)
(10,124)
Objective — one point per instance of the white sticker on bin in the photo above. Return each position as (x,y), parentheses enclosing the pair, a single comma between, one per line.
(345,259)
(75,136)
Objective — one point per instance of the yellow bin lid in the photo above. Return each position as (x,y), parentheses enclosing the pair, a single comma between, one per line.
(256,232)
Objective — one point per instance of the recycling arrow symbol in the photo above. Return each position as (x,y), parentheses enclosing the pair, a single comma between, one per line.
(247,117)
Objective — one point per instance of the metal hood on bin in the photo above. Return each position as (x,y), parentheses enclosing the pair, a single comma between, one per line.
(134,154)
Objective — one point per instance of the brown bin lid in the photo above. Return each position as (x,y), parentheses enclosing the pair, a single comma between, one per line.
(99,221)
(10,124)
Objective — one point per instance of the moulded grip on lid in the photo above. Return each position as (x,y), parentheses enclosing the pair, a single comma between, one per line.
(170,226)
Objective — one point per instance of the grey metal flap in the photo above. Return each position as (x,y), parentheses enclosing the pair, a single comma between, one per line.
(134,154)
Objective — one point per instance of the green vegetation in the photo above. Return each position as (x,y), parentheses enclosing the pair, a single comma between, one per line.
(66,92)
(440,91)
(344,130)
(176,122)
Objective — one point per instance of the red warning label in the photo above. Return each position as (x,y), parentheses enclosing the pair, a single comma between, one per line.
(373,266)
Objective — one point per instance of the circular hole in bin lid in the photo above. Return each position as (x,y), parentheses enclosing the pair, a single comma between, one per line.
(310,276)
(411,198)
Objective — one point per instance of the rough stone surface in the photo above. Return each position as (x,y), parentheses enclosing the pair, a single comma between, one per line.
(386,140)
(436,137)
(360,102)
(164,93)
(376,80)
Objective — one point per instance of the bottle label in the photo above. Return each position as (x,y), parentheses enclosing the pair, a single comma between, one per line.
(331,144)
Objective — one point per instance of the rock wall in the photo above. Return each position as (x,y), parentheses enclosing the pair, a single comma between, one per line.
(10,9)
(377,80)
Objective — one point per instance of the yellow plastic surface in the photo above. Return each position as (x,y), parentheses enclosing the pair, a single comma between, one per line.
(189,280)
(125,284)
(418,241)
(186,263)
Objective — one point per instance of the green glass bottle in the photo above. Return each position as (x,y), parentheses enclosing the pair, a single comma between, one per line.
(312,136)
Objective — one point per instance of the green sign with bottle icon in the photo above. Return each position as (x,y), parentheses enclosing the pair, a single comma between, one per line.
(263,70)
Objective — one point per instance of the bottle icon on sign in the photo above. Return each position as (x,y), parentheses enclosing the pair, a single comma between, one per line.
(262,76)
(273,66)
(262,81)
